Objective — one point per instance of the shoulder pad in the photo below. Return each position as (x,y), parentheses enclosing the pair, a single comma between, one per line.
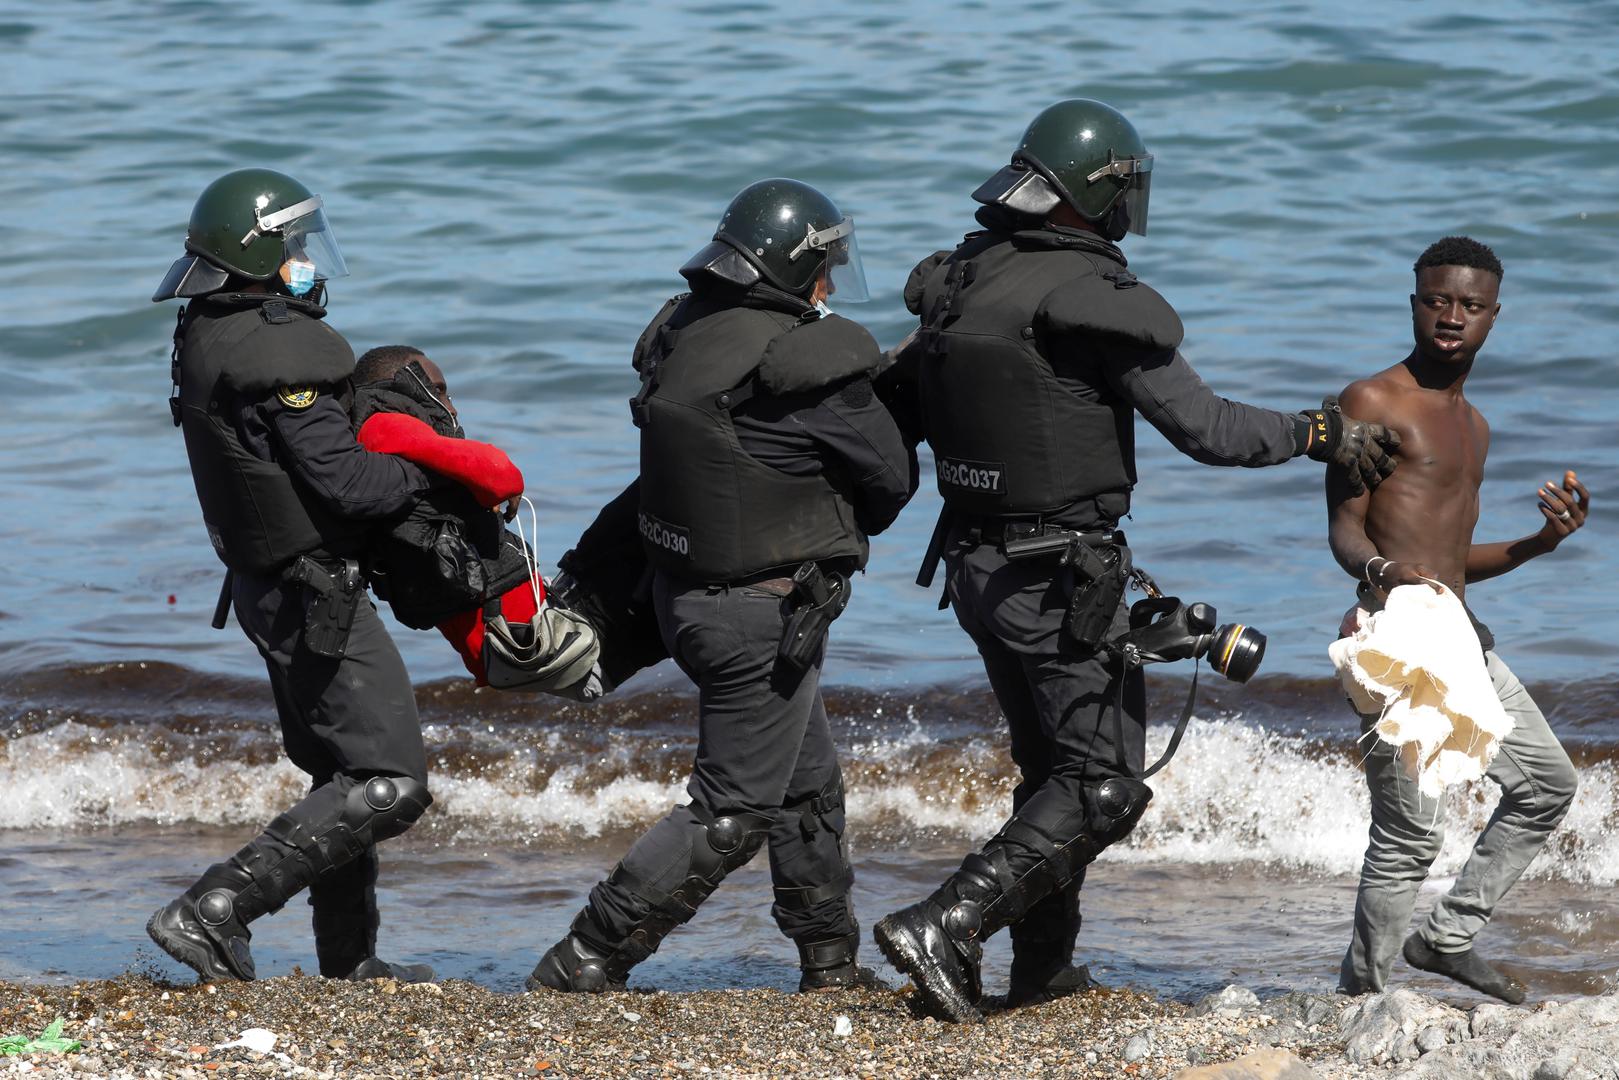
(650,334)
(298,352)
(1115,304)
(818,353)
(918,280)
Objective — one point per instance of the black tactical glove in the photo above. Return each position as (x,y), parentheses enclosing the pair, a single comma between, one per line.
(1361,450)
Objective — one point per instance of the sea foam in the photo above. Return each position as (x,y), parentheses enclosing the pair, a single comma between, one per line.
(1235,793)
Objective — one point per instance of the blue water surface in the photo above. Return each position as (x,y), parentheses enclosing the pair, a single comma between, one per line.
(515,184)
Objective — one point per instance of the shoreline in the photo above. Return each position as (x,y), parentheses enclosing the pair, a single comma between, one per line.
(385,1029)
(136,1027)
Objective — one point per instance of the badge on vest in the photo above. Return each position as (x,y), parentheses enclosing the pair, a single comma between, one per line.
(671,538)
(297,397)
(974,476)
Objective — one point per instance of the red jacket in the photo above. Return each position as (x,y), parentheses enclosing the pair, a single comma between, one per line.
(490,476)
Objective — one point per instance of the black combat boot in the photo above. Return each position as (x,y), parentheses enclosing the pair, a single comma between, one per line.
(206,927)
(939,942)
(597,954)
(574,966)
(1043,966)
(345,920)
(204,930)
(830,965)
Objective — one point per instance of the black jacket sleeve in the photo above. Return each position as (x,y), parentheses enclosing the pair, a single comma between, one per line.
(317,445)
(899,388)
(854,428)
(842,429)
(1162,386)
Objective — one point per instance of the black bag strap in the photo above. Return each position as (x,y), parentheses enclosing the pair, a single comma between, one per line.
(1174,739)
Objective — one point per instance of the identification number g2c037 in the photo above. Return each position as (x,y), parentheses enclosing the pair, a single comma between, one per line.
(987,476)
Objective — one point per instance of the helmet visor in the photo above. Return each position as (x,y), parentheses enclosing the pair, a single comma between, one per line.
(845,273)
(1135,201)
(1135,176)
(310,238)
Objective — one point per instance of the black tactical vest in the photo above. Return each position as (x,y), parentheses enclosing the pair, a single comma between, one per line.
(245,346)
(449,554)
(709,512)
(1020,416)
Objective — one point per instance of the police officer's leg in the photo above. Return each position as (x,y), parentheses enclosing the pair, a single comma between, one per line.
(750,730)
(1015,615)
(1074,697)
(809,866)
(357,716)
(366,717)
(1043,940)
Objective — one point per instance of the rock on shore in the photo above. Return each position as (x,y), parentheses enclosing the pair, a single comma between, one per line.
(136,1028)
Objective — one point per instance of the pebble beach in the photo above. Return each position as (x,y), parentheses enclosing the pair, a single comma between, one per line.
(135,1027)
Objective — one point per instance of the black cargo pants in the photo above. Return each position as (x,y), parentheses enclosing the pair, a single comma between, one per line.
(763,747)
(1057,699)
(353,718)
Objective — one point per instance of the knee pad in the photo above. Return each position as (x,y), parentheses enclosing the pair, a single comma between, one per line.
(384,807)
(1113,807)
(731,840)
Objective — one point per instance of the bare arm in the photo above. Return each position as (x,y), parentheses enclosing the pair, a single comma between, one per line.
(1571,499)
(1355,551)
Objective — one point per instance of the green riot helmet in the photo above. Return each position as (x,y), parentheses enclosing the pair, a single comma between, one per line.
(250,223)
(1083,153)
(783,232)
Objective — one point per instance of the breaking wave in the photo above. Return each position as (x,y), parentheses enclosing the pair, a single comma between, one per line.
(1274,783)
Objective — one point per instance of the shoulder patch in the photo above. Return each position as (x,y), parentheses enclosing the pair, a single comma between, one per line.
(297,397)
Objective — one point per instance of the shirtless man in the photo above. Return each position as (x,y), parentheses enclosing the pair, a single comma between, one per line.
(1417,526)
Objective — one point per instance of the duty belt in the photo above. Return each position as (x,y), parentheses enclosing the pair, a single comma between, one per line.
(1002,530)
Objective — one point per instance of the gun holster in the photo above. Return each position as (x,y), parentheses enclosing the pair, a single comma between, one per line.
(818,598)
(1102,567)
(1100,587)
(332,594)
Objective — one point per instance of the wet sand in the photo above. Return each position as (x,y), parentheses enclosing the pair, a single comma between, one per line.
(136,1027)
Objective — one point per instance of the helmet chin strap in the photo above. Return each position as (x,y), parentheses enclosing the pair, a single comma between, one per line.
(1117,221)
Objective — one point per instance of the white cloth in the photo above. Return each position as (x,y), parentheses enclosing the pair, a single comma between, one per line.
(1416,664)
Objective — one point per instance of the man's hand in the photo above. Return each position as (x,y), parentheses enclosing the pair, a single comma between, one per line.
(1363,451)
(1565,508)
(509,511)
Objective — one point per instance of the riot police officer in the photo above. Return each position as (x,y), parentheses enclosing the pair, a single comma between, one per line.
(766,462)
(1035,349)
(288,497)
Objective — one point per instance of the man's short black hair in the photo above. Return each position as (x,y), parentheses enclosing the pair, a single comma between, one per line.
(1459,251)
(382,363)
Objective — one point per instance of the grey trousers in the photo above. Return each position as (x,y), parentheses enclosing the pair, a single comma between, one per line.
(763,747)
(1537,783)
